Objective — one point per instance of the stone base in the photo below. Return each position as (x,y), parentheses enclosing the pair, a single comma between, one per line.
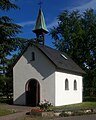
(43,114)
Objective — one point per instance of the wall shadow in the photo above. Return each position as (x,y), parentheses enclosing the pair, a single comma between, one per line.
(42,64)
(20,100)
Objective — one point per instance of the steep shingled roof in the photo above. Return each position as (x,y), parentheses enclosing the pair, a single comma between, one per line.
(61,60)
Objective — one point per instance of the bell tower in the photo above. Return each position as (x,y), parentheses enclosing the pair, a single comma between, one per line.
(40,28)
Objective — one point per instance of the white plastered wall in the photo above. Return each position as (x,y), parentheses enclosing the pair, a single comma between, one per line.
(41,69)
(71,96)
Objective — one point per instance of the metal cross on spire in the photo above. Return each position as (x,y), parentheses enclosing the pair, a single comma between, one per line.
(40,3)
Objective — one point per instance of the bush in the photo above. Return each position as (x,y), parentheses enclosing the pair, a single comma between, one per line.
(5,100)
(45,105)
(89,99)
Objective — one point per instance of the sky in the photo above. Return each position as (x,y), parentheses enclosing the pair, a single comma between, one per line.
(27,14)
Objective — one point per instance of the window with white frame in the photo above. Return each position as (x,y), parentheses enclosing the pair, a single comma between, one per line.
(66,84)
(75,85)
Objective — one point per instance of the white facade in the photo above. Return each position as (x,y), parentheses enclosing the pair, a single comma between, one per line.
(41,69)
(70,96)
(52,83)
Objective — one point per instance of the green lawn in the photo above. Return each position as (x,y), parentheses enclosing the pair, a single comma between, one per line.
(4,112)
(84,105)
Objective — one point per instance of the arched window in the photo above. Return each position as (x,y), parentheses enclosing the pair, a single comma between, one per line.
(75,85)
(66,84)
(32,56)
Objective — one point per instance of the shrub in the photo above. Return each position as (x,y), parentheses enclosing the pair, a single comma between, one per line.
(45,105)
(5,100)
(89,99)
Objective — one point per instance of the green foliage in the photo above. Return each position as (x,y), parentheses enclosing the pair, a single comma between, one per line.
(6,86)
(89,99)
(76,35)
(6,101)
(9,42)
(8,31)
(7,4)
(45,105)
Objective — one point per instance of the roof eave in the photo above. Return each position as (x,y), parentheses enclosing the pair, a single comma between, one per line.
(70,71)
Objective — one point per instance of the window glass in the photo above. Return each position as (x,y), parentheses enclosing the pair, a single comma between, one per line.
(75,85)
(66,84)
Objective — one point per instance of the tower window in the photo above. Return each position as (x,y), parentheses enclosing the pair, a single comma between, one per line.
(32,56)
(75,85)
(66,84)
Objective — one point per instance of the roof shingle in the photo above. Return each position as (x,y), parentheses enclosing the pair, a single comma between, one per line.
(61,62)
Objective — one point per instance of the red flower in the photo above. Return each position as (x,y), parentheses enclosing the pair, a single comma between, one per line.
(36,110)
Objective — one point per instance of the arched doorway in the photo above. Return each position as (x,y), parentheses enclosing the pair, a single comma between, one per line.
(32,92)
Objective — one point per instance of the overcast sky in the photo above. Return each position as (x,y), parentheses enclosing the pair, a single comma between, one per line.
(28,12)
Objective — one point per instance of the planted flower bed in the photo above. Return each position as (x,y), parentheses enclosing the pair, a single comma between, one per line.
(37,112)
(40,112)
(44,110)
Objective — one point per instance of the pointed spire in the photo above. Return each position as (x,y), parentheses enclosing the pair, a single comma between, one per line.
(40,24)
(40,28)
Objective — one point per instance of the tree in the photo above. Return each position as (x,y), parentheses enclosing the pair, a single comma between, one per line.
(7,4)
(8,43)
(8,31)
(76,35)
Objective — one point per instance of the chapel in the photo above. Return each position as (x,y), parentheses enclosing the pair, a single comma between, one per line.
(42,72)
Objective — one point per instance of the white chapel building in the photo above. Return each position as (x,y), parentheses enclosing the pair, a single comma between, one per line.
(43,73)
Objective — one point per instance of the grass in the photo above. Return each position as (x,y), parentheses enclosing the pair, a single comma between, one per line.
(4,112)
(84,105)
